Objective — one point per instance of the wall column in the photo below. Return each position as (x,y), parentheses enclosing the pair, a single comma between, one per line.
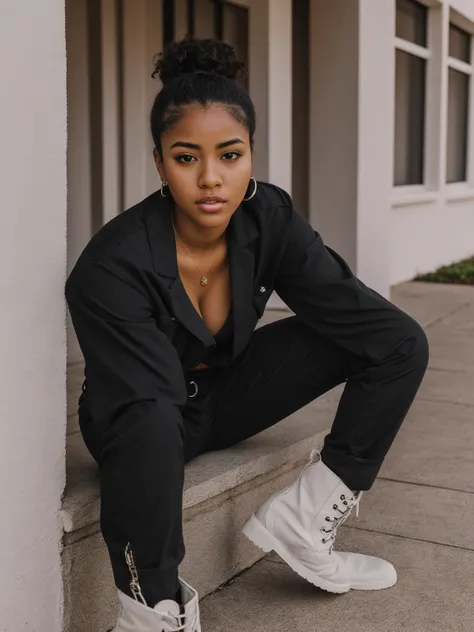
(334,43)
(33,333)
(375,143)
(351,132)
(270,52)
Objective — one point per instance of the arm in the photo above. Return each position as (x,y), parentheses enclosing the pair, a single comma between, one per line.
(133,371)
(319,286)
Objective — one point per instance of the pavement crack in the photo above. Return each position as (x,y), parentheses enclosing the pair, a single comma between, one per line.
(447,315)
(444,370)
(413,539)
(425,485)
(439,400)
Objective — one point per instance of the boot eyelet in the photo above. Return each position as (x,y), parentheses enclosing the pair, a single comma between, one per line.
(342,496)
(334,506)
(328,519)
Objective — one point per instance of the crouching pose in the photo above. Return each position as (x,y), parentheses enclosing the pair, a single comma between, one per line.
(165,299)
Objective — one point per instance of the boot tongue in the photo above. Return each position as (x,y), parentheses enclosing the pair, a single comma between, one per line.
(172,610)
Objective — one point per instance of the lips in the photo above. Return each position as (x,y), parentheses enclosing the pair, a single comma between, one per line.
(209,199)
(211,203)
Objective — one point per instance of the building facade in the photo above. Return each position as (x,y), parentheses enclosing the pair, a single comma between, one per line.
(365,115)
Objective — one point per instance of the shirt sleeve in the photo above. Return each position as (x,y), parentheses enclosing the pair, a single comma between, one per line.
(133,371)
(321,289)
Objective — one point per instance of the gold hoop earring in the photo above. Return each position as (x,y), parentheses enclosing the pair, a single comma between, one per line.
(164,184)
(254,191)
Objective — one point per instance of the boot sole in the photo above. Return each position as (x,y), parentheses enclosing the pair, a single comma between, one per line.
(261,537)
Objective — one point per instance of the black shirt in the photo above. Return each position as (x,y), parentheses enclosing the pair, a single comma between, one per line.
(221,354)
(139,332)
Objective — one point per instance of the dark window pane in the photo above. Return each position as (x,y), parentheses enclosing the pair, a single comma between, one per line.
(219,19)
(459,44)
(236,32)
(409,118)
(204,18)
(191,4)
(458,101)
(168,22)
(411,22)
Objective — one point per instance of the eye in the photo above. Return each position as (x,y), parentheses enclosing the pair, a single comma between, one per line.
(231,155)
(185,158)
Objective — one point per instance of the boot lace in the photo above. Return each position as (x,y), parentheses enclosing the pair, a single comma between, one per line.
(342,517)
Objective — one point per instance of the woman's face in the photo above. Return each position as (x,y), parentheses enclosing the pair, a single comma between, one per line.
(206,153)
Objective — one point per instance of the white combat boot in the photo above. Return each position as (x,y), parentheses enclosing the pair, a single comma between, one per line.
(300,523)
(166,616)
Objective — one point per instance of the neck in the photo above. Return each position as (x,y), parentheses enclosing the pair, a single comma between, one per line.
(197,238)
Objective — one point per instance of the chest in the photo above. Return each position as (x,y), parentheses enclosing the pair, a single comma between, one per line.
(211,301)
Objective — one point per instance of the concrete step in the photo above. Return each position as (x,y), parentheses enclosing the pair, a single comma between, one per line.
(221,490)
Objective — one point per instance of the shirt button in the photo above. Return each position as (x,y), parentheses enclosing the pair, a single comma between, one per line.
(263,289)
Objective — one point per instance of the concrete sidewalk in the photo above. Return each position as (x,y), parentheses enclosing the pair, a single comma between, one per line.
(419,513)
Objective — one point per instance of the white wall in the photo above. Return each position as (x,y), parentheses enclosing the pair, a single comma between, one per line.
(333,129)
(375,143)
(465,7)
(388,234)
(32,332)
(429,235)
(433,225)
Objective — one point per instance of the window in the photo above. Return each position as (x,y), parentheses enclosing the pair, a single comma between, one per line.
(459,74)
(411,22)
(235,31)
(410,78)
(221,19)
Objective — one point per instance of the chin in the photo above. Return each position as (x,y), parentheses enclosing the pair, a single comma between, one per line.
(212,220)
(214,216)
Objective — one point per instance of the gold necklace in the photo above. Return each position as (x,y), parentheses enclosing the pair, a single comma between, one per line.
(204,277)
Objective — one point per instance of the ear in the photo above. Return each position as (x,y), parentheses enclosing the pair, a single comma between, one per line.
(159,163)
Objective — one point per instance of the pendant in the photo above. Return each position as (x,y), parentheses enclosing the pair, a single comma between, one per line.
(204,280)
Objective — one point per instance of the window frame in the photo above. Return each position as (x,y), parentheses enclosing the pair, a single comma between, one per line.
(436,188)
(169,12)
(426,54)
(460,186)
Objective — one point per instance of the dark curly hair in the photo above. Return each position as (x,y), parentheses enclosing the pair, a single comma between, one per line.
(201,71)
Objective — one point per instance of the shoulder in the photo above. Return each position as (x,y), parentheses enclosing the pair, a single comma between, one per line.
(271,206)
(270,196)
(279,219)
(121,243)
(127,227)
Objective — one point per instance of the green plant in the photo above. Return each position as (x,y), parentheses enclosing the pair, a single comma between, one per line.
(461,272)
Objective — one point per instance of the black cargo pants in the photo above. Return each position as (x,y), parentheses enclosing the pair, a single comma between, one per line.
(286,366)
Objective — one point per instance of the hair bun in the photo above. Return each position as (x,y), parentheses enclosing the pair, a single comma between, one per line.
(192,55)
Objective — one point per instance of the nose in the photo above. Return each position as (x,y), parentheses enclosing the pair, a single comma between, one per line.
(209,178)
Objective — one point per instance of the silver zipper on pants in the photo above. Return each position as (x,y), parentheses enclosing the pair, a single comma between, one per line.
(134,583)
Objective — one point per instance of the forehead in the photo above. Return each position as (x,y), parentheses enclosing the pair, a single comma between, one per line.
(211,123)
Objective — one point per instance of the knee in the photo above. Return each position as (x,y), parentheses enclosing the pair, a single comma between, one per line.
(415,346)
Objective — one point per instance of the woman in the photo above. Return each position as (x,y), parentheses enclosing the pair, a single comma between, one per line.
(165,299)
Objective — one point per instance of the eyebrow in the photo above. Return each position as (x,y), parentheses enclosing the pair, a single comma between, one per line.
(182,143)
